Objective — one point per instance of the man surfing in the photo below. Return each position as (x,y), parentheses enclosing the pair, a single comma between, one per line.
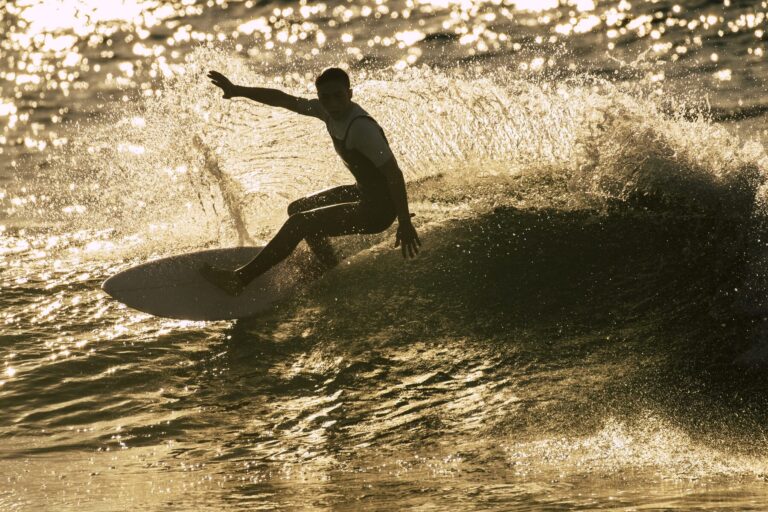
(369,206)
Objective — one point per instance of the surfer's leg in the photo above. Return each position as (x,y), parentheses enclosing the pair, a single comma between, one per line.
(335,195)
(320,245)
(335,220)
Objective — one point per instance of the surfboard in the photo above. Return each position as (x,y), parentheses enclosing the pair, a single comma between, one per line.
(173,287)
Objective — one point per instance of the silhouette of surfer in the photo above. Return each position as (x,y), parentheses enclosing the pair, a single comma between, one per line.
(369,206)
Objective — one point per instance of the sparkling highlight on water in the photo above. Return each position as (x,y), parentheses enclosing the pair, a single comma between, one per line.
(585,326)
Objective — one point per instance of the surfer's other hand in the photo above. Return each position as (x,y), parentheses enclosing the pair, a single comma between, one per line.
(407,238)
(223,83)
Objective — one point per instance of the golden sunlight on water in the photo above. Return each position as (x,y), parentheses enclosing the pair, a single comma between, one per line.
(565,341)
(62,49)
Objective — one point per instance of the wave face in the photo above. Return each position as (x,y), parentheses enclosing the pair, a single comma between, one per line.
(585,325)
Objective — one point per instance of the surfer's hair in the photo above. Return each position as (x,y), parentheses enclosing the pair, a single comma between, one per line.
(332,75)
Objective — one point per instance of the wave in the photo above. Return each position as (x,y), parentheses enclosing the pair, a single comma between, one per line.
(188,170)
(590,297)
(187,162)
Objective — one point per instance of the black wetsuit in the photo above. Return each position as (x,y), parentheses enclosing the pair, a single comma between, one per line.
(363,208)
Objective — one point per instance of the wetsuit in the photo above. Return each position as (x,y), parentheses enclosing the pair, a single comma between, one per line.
(363,208)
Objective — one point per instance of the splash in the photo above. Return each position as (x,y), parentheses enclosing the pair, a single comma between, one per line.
(649,443)
(189,170)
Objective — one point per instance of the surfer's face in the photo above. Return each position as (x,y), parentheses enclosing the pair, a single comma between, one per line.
(335,97)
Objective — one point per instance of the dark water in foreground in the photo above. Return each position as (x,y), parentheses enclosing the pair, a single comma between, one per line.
(466,394)
(586,325)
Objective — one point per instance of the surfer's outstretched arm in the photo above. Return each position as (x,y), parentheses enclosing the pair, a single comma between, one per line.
(406,237)
(271,97)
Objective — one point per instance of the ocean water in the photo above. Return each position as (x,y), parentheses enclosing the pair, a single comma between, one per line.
(585,328)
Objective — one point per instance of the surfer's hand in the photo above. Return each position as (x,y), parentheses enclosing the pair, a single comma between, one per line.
(222,82)
(407,238)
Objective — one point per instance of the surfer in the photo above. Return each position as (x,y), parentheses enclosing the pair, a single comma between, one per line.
(369,206)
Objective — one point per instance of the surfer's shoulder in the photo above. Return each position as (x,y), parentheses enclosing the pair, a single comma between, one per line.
(361,120)
(364,125)
(358,111)
(366,136)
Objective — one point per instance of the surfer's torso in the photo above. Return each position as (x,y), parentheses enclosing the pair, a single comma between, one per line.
(363,147)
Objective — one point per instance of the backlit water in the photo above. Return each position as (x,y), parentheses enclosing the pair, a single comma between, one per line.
(584,328)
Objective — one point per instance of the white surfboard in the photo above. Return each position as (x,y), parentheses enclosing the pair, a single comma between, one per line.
(174,288)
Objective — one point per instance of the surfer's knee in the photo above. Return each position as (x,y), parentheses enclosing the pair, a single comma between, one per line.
(297,222)
(295,207)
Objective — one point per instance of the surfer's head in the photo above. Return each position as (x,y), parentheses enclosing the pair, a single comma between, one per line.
(334,91)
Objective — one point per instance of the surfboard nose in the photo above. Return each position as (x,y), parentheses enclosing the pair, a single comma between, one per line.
(173,287)
(108,285)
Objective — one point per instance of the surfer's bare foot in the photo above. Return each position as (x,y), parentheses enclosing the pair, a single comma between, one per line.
(226,280)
